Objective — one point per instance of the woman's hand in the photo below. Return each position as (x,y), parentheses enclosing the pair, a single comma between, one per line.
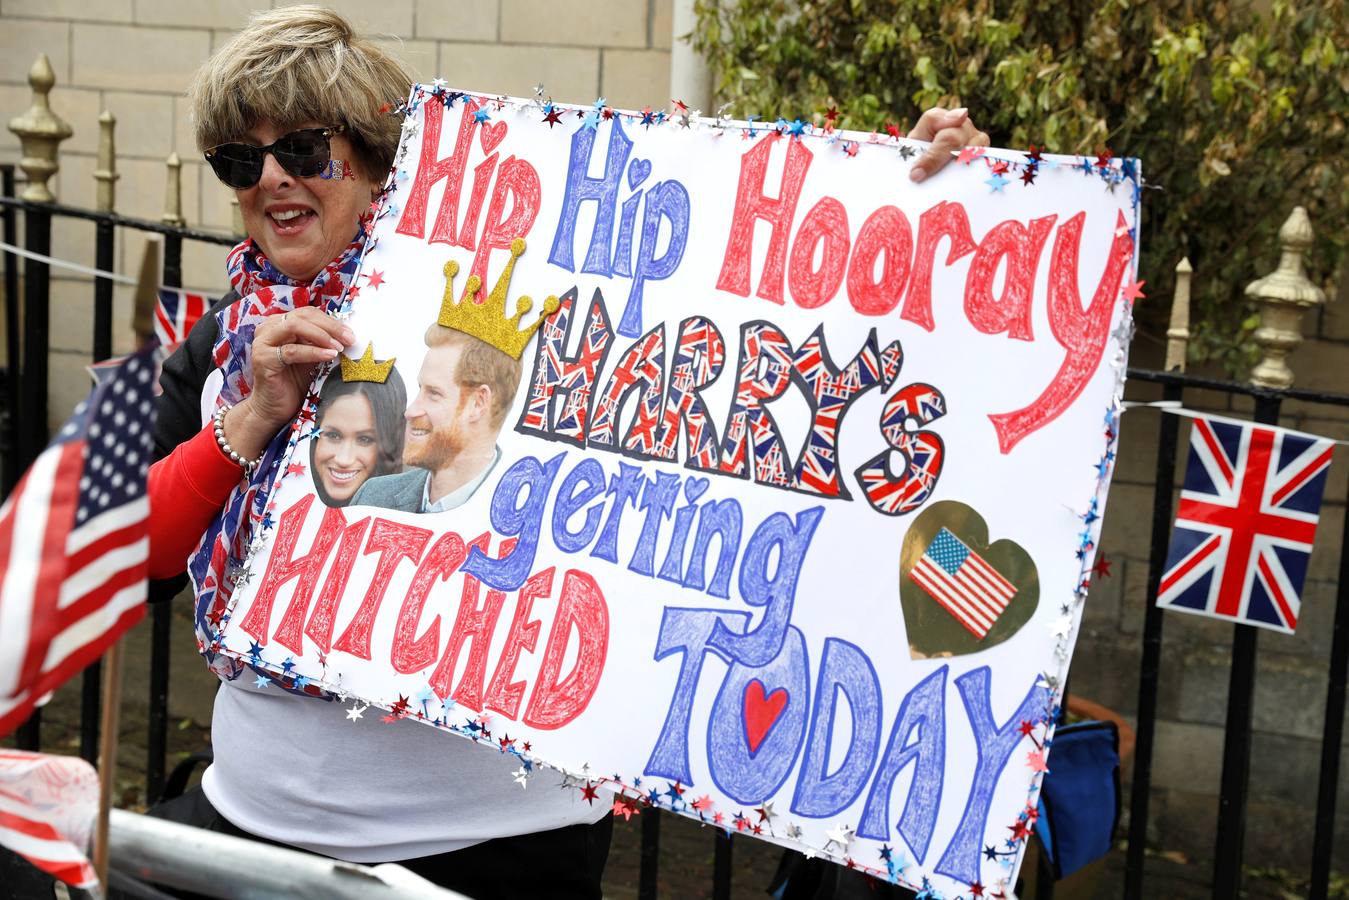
(949,130)
(286,348)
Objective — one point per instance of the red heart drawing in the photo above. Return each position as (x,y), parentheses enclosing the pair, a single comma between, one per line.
(761,712)
(492,133)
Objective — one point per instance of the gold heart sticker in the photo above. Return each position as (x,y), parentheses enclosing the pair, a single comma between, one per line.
(959,593)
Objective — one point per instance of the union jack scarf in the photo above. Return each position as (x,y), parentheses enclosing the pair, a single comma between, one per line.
(263,291)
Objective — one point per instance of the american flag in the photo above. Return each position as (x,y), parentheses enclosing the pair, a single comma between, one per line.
(963,583)
(1246,522)
(48,806)
(175,314)
(74,542)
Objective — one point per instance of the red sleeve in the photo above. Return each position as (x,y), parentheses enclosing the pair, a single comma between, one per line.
(186,489)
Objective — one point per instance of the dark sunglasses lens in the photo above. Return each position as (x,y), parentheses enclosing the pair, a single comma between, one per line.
(303,153)
(238,165)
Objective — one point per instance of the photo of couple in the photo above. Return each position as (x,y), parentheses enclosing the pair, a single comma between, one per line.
(374,448)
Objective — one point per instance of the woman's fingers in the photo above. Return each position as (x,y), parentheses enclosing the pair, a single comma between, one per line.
(936,119)
(949,131)
(301,328)
(302,354)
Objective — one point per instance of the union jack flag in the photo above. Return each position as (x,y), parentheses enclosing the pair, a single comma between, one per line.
(175,313)
(1246,522)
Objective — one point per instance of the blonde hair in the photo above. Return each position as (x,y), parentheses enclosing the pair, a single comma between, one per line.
(481,363)
(298,64)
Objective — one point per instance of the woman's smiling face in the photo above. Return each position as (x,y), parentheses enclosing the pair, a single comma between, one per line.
(303,223)
(348,446)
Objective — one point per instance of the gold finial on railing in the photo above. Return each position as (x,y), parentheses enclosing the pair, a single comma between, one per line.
(1284,295)
(173,192)
(1178,335)
(40,132)
(106,173)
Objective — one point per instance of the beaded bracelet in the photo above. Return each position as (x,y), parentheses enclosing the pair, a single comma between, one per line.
(248,465)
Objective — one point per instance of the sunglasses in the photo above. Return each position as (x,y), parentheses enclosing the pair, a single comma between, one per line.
(304,154)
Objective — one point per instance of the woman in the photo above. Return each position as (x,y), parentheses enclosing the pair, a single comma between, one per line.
(360,435)
(274,108)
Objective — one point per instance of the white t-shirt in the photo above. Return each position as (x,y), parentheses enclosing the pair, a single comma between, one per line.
(297,770)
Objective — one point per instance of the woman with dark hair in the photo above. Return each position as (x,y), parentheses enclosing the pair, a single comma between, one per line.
(360,435)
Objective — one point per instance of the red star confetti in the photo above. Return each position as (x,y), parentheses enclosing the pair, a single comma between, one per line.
(969,154)
(1026,728)
(1134,290)
(976,889)
(831,115)
(1101,568)
(702,804)
(589,794)
(1028,176)
(374,279)
(1036,760)
(625,807)
(1020,831)
(1103,159)
(295,469)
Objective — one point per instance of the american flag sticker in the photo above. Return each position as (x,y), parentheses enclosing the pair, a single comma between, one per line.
(964,584)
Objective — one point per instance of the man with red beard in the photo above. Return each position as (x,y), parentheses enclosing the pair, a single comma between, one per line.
(464,391)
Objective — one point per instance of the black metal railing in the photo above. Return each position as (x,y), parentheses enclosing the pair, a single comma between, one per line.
(23,430)
(25,396)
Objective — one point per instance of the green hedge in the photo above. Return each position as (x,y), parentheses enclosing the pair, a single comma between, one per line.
(1238,113)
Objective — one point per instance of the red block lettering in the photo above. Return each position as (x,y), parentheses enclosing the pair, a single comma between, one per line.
(580,609)
(945,220)
(751,204)
(1082,333)
(885,231)
(471,622)
(518,183)
(504,695)
(394,542)
(1021,247)
(826,222)
(322,619)
(431,170)
(410,653)
(283,566)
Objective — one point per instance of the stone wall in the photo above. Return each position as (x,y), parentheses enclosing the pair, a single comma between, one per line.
(133,57)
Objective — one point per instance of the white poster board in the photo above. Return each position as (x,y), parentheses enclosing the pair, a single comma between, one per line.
(789,523)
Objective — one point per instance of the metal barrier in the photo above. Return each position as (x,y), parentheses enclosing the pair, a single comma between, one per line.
(1283,296)
(143,849)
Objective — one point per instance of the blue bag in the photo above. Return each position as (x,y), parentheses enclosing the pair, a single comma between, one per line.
(1080,796)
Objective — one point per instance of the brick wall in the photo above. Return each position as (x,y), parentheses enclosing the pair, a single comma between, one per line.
(134,58)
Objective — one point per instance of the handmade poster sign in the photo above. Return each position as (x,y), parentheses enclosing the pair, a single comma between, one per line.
(717,465)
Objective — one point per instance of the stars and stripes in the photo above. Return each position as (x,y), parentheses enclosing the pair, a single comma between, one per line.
(74,542)
(48,805)
(1246,522)
(176,311)
(963,583)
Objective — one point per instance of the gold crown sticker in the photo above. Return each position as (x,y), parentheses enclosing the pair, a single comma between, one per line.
(486,318)
(366,368)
